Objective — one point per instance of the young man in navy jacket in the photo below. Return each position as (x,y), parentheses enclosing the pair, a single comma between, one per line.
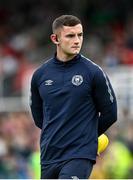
(72,102)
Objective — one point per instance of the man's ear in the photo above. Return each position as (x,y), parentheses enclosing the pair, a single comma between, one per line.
(54,39)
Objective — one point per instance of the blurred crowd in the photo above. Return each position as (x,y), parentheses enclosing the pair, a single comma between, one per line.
(20,157)
(19,147)
(117,160)
(25,27)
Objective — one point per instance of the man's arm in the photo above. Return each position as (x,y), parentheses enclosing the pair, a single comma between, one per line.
(36,104)
(105,101)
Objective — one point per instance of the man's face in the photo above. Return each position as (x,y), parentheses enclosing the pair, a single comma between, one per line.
(70,39)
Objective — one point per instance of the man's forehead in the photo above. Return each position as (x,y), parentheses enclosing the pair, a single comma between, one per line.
(69,29)
(73,29)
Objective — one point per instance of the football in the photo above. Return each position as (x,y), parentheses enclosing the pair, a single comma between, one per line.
(103,142)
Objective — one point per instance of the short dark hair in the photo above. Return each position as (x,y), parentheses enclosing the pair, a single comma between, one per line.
(65,20)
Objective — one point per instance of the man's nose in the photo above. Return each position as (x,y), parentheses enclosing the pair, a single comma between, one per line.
(77,40)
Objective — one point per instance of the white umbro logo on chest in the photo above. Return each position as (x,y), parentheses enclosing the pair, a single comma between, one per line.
(48,82)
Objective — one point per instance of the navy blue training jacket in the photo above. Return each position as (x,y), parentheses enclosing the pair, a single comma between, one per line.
(73,103)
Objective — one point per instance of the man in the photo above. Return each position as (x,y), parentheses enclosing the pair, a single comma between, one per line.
(72,102)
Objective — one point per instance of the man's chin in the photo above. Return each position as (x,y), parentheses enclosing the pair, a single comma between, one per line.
(75,53)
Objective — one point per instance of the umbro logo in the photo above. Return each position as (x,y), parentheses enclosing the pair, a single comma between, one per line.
(48,82)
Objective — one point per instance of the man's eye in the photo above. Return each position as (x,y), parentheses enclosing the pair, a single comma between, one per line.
(80,35)
(70,35)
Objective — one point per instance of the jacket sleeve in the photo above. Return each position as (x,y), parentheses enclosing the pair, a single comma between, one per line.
(105,101)
(36,104)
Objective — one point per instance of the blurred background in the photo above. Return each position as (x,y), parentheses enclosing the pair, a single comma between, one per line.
(25,27)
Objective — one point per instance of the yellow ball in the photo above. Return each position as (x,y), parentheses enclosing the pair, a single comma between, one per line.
(103,142)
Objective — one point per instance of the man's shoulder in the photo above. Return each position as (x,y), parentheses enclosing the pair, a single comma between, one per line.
(45,64)
(41,69)
(90,64)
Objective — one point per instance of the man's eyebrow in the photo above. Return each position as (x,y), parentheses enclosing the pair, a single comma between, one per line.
(81,33)
(72,33)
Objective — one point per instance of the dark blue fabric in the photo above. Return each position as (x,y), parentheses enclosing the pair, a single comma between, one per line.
(72,169)
(73,103)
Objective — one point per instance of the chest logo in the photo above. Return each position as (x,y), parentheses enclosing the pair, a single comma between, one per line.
(48,82)
(77,80)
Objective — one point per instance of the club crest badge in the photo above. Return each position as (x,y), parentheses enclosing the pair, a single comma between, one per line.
(77,80)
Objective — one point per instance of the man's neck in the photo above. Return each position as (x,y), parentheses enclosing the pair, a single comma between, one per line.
(64,57)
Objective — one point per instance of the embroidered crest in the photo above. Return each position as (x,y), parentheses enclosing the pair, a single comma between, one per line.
(77,80)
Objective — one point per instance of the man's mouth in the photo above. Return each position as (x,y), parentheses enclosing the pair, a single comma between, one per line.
(76,47)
